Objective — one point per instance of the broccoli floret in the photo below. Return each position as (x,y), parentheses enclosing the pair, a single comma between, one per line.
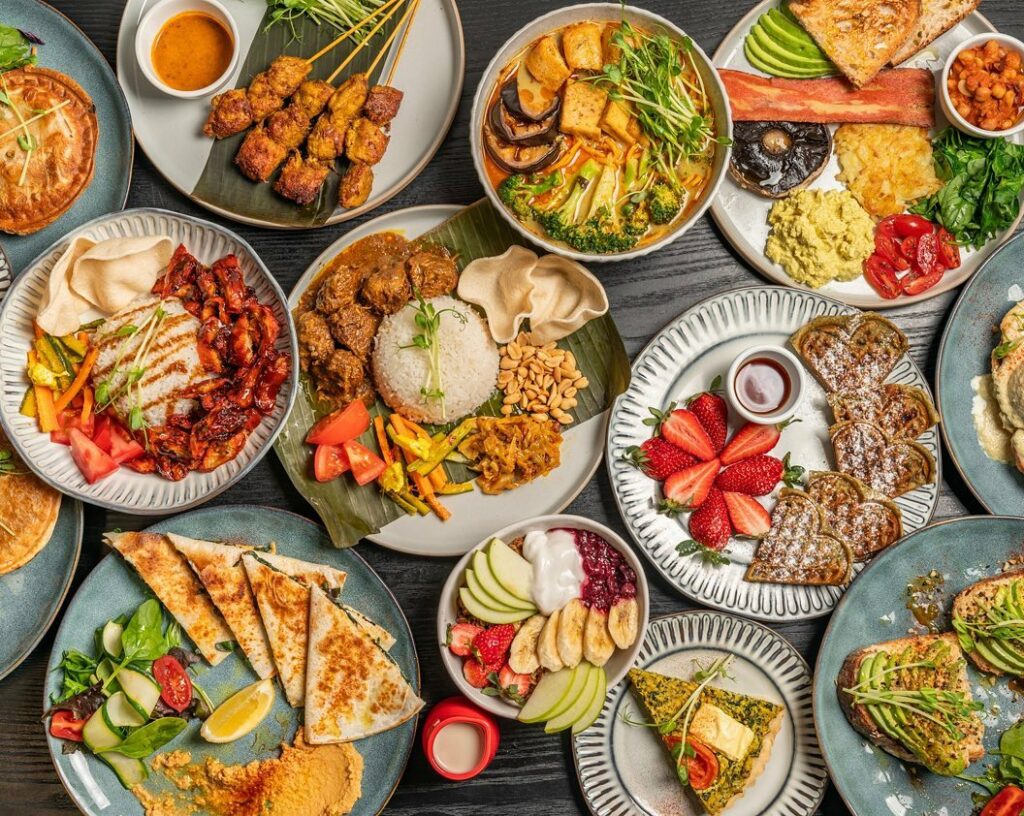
(665,203)
(517,191)
(636,218)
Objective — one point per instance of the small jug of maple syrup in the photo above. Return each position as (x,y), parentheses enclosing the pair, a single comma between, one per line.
(765,384)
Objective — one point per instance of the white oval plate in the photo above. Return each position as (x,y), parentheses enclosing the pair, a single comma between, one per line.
(682,360)
(624,769)
(474,515)
(125,490)
(431,70)
(743,215)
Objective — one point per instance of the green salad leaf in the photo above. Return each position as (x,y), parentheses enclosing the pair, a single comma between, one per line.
(15,49)
(78,670)
(151,737)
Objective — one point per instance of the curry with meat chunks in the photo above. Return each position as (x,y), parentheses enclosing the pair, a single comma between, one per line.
(601,136)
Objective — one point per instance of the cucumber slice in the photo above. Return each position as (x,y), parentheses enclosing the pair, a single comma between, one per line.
(130,772)
(98,734)
(103,671)
(112,638)
(122,712)
(141,689)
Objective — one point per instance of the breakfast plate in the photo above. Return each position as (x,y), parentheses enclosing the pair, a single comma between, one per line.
(743,215)
(68,50)
(350,513)
(170,129)
(622,768)
(945,557)
(114,588)
(144,493)
(683,360)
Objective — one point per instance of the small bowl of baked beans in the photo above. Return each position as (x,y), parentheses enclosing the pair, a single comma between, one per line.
(983,86)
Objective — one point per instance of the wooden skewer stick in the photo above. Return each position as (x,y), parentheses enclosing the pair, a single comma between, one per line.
(349,32)
(362,44)
(407,20)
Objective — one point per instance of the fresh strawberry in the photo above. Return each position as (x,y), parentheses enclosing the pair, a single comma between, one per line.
(687,489)
(709,524)
(684,430)
(751,440)
(475,674)
(658,417)
(758,475)
(659,458)
(460,638)
(746,514)
(490,647)
(712,413)
(514,686)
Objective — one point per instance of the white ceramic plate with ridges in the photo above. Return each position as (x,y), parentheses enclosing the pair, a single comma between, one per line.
(126,490)
(624,770)
(682,360)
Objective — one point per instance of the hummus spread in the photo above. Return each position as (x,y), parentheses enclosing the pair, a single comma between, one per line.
(819,236)
(320,780)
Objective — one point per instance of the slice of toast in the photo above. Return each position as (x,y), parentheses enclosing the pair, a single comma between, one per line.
(975,604)
(859,36)
(937,17)
(947,756)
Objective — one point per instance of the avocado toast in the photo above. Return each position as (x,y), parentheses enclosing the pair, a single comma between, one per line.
(738,729)
(988,618)
(911,698)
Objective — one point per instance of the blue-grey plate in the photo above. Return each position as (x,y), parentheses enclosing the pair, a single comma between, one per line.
(873,610)
(68,50)
(113,588)
(963,355)
(30,597)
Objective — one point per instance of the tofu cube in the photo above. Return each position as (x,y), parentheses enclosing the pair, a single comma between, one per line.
(546,64)
(581,44)
(582,107)
(611,52)
(618,121)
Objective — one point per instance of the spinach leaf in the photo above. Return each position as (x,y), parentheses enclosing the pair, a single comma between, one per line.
(78,670)
(1011,750)
(15,49)
(151,737)
(143,638)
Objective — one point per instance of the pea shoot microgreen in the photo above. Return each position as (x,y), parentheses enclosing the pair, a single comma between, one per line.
(428,321)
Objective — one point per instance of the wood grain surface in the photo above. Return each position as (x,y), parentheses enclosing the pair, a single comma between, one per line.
(533,773)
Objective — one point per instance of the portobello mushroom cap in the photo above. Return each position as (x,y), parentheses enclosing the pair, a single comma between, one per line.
(520,132)
(774,159)
(518,158)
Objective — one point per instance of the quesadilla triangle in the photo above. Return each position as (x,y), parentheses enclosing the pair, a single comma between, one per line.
(219,567)
(354,689)
(168,574)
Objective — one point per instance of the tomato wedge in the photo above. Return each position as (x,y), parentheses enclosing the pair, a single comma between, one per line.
(912,225)
(916,284)
(175,686)
(338,427)
(92,460)
(948,249)
(123,448)
(329,462)
(882,276)
(63,725)
(366,465)
(1008,802)
(101,435)
(68,420)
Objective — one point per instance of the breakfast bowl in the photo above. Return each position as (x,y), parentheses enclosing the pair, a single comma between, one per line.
(550,101)
(187,48)
(977,86)
(577,597)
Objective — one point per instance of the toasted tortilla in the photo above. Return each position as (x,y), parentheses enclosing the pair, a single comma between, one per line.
(28,510)
(168,574)
(219,567)
(354,689)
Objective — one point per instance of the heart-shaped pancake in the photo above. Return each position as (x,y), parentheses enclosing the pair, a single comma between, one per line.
(867,521)
(800,548)
(890,466)
(850,352)
(905,411)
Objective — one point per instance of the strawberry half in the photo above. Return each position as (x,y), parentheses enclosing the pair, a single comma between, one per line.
(752,440)
(658,458)
(475,674)
(746,514)
(758,475)
(683,429)
(712,413)
(688,489)
(709,524)
(514,686)
(460,638)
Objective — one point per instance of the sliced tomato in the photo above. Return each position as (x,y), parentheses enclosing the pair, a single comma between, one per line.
(908,246)
(927,260)
(175,685)
(916,284)
(123,447)
(338,427)
(948,249)
(329,462)
(68,420)
(366,465)
(101,434)
(889,248)
(882,276)
(701,762)
(63,725)
(94,462)
(1008,802)
(912,225)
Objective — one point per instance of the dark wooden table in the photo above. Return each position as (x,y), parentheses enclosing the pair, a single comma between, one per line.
(532,773)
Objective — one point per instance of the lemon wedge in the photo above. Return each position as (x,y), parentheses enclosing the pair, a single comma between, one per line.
(240,713)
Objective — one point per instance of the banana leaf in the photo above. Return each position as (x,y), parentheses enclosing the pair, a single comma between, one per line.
(351,512)
(222,185)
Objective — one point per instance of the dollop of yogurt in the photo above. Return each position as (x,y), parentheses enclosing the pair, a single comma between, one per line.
(558,573)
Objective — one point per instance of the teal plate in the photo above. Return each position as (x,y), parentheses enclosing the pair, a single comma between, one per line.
(68,50)
(30,597)
(873,610)
(113,588)
(963,355)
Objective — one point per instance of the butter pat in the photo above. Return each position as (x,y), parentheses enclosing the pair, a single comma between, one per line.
(716,729)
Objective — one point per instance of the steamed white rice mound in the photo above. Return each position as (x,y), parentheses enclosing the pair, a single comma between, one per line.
(468,356)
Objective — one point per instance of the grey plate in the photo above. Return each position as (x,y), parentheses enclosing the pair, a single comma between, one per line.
(624,770)
(682,360)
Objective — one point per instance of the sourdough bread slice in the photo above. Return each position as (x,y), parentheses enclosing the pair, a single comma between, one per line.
(937,17)
(973,604)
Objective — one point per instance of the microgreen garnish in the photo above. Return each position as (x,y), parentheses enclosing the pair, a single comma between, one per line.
(428,321)
(1005,349)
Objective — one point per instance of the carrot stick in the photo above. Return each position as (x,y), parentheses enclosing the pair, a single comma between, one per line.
(81,378)
(443,512)
(86,404)
(382,439)
(47,412)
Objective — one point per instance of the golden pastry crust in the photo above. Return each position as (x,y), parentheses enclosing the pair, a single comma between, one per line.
(63,161)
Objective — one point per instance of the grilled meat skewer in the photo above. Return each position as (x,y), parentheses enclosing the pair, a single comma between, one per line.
(235,110)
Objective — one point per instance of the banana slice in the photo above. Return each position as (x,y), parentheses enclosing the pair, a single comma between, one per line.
(570,632)
(547,644)
(598,645)
(624,622)
(523,655)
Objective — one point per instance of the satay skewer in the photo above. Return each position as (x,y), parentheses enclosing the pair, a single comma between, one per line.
(346,34)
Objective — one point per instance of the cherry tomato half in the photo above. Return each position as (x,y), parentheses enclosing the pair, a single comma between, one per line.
(908,246)
(912,225)
(175,686)
(1008,802)
(949,252)
(889,248)
(927,261)
(63,725)
(916,284)
(881,275)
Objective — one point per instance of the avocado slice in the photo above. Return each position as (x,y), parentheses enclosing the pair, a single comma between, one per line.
(763,61)
(1002,654)
(882,714)
(785,55)
(799,42)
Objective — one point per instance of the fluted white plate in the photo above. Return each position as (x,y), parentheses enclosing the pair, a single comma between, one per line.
(625,771)
(682,360)
(125,490)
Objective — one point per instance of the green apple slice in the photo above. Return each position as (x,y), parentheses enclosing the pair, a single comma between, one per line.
(552,689)
(484,597)
(485,613)
(510,569)
(493,587)
(580,705)
(575,690)
(587,718)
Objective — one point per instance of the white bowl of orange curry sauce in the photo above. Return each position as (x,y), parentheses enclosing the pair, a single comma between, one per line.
(187,48)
